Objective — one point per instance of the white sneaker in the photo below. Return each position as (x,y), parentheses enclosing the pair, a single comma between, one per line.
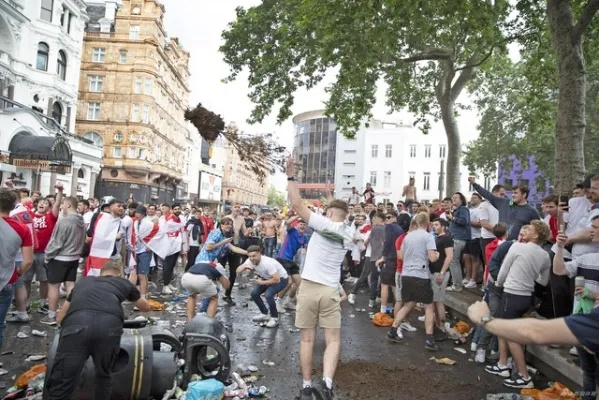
(172,287)
(261,318)
(421,318)
(167,290)
(453,288)
(406,326)
(280,307)
(465,281)
(272,322)
(470,285)
(480,356)
(473,346)
(351,299)
(371,303)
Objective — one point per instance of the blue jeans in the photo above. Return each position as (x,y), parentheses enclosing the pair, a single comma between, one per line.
(5,301)
(269,246)
(270,290)
(590,376)
(143,263)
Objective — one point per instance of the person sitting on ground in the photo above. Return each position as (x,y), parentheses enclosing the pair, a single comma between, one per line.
(91,322)
(200,279)
(273,279)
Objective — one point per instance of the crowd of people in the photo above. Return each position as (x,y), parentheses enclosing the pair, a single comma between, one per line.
(405,256)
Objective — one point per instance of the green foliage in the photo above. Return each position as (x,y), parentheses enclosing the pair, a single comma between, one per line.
(416,47)
(275,198)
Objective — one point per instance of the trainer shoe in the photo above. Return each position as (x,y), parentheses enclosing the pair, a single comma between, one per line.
(421,318)
(351,299)
(272,322)
(48,320)
(494,355)
(167,290)
(470,285)
(18,320)
(439,334)
(500,370)
(480,356)
(172,287)
(229,300)
(306,394)
(323,392)
(430,344)
(280,308)
(453,288)
(473,346)
(261,318)
(519,382)
(395,335)
(406,326)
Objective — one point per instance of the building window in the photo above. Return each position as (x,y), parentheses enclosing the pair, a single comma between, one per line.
(95,138)
(426,183)
(132,152)
(123,57)
(134,32)
(61,65)
(57,112)
(373,178)
(135,114)
(118,137)
(349,151)
(142,153)
(69,20)
(117,152)
(137,85)
(412,151)
(387,179)
(349,164)
(95,83)
(42,56)
(442,150)
(46,10)
(99,54)
(374,150)
(93,111)
(145,115)
(427,151)
(148,86)
(388,150)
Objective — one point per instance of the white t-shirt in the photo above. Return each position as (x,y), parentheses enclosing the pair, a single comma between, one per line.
(580,249)
(474,216)
(354,198)
(267,267)
(193,242)
(327,248)
(487,212)
(87,217)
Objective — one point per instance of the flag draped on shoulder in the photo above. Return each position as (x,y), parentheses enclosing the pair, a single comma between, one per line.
(152,235)
(173,228)
(102,244)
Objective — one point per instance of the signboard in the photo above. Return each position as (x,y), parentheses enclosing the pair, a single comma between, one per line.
(41,165)
(210,187)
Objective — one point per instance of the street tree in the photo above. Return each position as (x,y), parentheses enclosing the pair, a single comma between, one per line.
(261,153)
(275,197)
(426,52)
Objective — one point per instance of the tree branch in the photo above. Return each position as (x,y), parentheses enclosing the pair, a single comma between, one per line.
(460,83)
(433,54)
(586,18)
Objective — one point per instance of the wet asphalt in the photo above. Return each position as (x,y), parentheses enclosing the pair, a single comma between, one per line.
(409,373)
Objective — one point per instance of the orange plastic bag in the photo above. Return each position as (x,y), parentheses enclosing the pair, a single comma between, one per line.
(25,378)
(382,319)
(155,305)
(462,328)
(555,392)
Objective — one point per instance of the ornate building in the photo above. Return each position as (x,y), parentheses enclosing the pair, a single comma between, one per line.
(40,56)
(133,90)
(239,182)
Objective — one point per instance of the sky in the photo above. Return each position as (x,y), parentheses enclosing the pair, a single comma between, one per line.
(199,24)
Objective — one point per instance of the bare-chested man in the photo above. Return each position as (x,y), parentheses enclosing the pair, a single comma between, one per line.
(270,232)
(409,192)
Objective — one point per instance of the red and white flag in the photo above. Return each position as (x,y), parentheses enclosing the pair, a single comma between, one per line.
(152,235)
(102,244)
(173,228)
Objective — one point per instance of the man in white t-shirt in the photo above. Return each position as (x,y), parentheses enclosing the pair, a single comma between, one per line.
(273,279)
(319,296)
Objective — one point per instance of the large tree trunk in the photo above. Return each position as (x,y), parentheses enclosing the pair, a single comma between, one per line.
(454,146)
(570,121)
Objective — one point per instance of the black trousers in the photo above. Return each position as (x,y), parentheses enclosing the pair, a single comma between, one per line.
(82,335)
(191,256)
(168,267)
(234,261)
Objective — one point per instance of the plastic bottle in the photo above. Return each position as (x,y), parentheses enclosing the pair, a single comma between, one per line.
(239,380)
(579,281)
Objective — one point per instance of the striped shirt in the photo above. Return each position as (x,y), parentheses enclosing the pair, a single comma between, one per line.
(586,265)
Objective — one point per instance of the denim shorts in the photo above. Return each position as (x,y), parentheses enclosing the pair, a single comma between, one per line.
(143,262)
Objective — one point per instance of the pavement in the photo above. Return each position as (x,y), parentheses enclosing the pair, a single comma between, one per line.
(371,367)
(559,359)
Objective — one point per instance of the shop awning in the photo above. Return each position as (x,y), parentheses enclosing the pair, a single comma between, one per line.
(44,153)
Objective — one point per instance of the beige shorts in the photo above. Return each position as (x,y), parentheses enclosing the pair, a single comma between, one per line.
(439,291)
(198,284)
(318,304)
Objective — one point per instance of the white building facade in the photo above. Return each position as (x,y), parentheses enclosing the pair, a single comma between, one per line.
(386,155)
(40,58)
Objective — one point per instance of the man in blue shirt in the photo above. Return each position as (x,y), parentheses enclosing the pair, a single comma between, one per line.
(294,240)
(218,243)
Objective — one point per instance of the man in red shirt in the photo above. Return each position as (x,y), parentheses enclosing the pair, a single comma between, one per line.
(44,221)
(16,237)
(208,224)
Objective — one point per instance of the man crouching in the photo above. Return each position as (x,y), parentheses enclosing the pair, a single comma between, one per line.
(91,321)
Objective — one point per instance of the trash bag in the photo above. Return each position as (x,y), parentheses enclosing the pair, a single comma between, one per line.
(210,389)
(156,305)
(382,319)
(23,380)
(556,391)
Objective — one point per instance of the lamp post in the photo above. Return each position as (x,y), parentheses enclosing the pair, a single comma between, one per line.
(441,179)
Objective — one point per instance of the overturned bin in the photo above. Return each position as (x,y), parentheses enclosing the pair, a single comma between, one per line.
(146,366)
(206,348)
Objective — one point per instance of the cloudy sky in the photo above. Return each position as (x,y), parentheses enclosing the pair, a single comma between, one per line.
(199,24)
